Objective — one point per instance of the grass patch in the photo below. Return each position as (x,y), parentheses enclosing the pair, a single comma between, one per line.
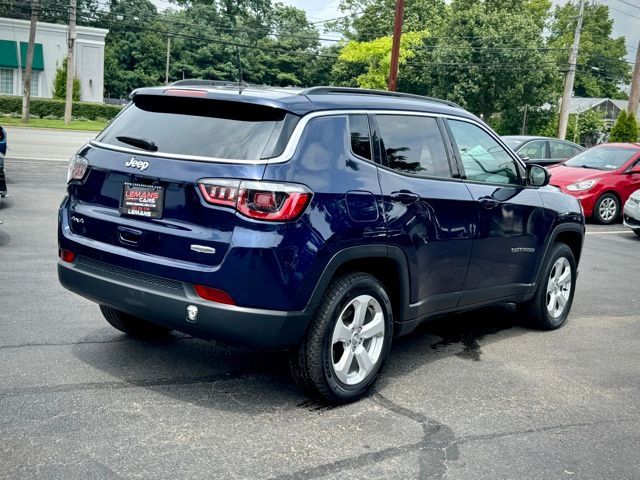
(92,125)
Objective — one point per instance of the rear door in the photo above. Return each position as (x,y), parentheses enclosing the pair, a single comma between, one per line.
(141,190)
(560,151)
(429,211)
(510,217)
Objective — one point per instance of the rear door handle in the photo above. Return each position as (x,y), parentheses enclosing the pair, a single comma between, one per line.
(129,236)
(488,202)
(405,197)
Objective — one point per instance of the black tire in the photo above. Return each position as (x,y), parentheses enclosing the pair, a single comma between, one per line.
(311,363)
(536,309)
(597,216)
(131,325)
(637,232)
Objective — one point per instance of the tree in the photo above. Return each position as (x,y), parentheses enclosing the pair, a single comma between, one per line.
(60,83)
(602,65)
(625,129)
(586,128)
(376,56)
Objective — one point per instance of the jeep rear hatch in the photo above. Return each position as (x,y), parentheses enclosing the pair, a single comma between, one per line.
(163,179)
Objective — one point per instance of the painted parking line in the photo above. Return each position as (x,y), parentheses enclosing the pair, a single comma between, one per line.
(610,232)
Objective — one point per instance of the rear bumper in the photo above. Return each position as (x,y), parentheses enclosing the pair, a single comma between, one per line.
(165,302)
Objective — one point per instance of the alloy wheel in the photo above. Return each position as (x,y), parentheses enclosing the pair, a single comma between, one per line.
(357,340)
(559,287)
(608,209)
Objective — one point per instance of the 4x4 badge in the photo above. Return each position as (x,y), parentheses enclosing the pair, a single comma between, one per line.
(140,165)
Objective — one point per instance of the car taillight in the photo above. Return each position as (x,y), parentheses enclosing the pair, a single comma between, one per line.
(77,168)
(271,201)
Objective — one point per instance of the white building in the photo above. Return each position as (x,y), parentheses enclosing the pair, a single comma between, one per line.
(50,51)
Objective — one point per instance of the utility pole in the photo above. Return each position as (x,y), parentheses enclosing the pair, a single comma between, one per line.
(166,70)
(26,75)
(523,131)
(634,96)
(571,75)
(68,105)
(395,46)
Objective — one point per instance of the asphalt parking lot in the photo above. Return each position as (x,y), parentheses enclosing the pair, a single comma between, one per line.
(475,396)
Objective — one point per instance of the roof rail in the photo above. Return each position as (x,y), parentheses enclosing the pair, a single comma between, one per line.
(194,82)
(369,91)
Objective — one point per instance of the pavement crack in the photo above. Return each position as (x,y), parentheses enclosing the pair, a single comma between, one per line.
(142,383)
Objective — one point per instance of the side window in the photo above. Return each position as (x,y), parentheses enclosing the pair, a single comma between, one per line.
(413,144)
(483,158)
(561,150)
(360,135)
(575,151)
(533,150)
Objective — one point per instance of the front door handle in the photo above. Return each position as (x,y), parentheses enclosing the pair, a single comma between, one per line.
(405,197)
(488,202)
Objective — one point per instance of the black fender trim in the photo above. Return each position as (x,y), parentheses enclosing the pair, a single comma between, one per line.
(362,253)
(551,239)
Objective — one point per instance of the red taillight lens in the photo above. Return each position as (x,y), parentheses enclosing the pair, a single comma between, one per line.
(276,202)
(214,295)
(66,255)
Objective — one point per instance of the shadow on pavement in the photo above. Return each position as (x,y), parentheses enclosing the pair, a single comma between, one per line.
(217,376)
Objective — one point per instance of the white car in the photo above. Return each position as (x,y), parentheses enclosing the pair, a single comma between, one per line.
(631,213)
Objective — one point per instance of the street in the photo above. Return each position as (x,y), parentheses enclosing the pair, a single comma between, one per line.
(473,396)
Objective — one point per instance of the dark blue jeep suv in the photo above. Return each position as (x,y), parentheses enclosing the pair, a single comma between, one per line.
(325,221)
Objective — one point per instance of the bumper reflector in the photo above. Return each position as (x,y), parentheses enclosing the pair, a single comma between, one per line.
(66,255)
(214,295)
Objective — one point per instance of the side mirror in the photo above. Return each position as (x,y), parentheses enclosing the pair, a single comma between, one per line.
(537,176)
(524,158)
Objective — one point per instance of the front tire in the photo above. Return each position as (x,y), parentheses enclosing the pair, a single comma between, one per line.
(637,232)
(131,325)
(348,340)
(551,304)
(607,209)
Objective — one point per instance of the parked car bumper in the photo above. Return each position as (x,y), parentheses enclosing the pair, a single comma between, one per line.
(165,302)
(631,214)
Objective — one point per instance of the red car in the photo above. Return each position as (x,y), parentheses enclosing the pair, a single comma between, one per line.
(602,178)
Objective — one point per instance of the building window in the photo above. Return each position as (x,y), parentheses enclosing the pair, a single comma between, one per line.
(6,81)
(35,84)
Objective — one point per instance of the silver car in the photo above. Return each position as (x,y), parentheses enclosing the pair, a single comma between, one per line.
(631,213)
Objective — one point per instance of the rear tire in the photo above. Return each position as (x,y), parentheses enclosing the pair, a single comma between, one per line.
(607,209)
(551,304)
(637,232)
(348,340)
(131,325)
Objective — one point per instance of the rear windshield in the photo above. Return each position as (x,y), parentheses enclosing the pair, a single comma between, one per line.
(513,143)
(198,127)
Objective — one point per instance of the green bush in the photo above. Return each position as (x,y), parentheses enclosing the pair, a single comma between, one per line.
(625,129)
(60,84)
(43,107)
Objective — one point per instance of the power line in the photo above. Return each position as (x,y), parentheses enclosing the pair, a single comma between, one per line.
(629,4)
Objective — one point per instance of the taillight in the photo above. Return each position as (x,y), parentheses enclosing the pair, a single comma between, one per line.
(77,168)
(214,294)
(66,255)
(276,202)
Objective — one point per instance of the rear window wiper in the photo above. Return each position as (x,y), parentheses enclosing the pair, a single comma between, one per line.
(139,142)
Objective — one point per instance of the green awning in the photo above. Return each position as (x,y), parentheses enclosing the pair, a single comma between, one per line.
(8,54)
(38,57)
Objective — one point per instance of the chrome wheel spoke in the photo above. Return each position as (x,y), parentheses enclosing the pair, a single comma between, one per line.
(341,333)
(344,365)
(375,328)
(565,278)
(364,361)
(561,301)
(360,305)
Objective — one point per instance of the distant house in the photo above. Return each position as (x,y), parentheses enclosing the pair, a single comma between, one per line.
(49,53)
(611,108)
